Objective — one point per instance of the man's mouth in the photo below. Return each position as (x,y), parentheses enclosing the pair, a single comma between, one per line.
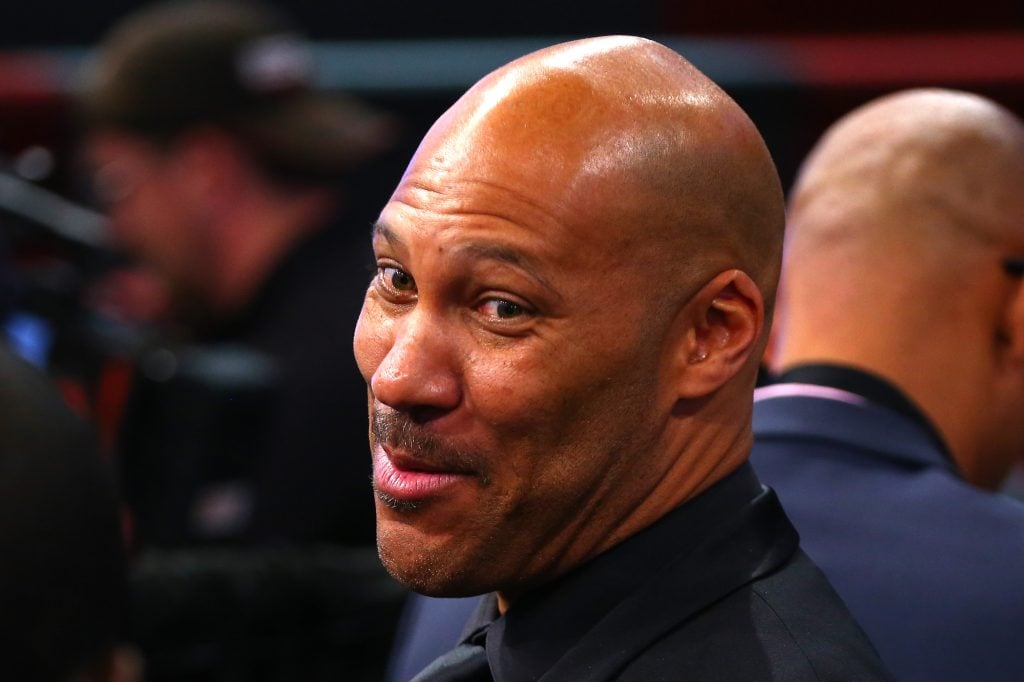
(403,481)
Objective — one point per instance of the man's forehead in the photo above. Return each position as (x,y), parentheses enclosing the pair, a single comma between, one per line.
(559,192)
(481,235)
(614,158)
(482,173)
(545,116)
(566,141)
(548,220)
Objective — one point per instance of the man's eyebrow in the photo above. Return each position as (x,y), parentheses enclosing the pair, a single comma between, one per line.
(379,229)
(510,256)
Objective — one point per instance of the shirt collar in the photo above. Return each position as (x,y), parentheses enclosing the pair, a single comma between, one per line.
(869,386)
(543,625)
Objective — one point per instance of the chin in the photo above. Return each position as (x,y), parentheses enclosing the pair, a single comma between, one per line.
(436,569)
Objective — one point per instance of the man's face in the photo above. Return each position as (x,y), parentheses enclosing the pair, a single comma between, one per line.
(151,216)
(511,349)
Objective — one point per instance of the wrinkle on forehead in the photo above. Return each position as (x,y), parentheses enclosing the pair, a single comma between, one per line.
(617,134)
(459,195)
(426,199)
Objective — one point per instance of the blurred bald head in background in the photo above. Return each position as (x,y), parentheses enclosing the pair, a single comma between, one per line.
(903,226)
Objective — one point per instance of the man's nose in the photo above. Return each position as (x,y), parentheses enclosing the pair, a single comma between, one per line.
(418,375)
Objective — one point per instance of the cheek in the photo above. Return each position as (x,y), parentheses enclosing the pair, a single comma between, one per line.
(570,397)
(537,407)
(505,386)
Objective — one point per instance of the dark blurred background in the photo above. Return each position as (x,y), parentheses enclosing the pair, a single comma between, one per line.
(794,66)
(54,23)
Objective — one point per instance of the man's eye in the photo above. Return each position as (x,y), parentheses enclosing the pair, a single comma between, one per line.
(502,309)
(396,279)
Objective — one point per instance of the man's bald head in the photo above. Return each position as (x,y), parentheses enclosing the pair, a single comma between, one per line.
(898,225)
(627,134)
(565,324)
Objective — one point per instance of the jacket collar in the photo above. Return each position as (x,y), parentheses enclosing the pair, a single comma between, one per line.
(589,624)
(876,388)
(815,412)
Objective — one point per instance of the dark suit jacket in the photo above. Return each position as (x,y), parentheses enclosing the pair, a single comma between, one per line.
(930,566)
(716,590)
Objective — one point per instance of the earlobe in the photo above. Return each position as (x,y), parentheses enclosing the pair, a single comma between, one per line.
(725,320)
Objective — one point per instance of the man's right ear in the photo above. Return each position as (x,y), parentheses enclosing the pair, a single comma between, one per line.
(722,324)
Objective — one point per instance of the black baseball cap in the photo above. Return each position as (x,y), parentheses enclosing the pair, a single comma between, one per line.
(237,65)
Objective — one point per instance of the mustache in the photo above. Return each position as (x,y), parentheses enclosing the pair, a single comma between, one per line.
(400,432)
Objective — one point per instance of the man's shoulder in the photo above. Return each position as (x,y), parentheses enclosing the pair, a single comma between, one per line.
(895,482)
(926,561)
(804,445)
(787,625)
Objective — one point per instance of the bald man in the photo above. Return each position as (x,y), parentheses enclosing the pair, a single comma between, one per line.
(574,278)
(900,337)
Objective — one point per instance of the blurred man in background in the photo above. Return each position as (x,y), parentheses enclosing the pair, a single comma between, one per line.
(900,342)
(224,173)
(243,447)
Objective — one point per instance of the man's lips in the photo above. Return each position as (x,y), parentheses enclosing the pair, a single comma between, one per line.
(406,479)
